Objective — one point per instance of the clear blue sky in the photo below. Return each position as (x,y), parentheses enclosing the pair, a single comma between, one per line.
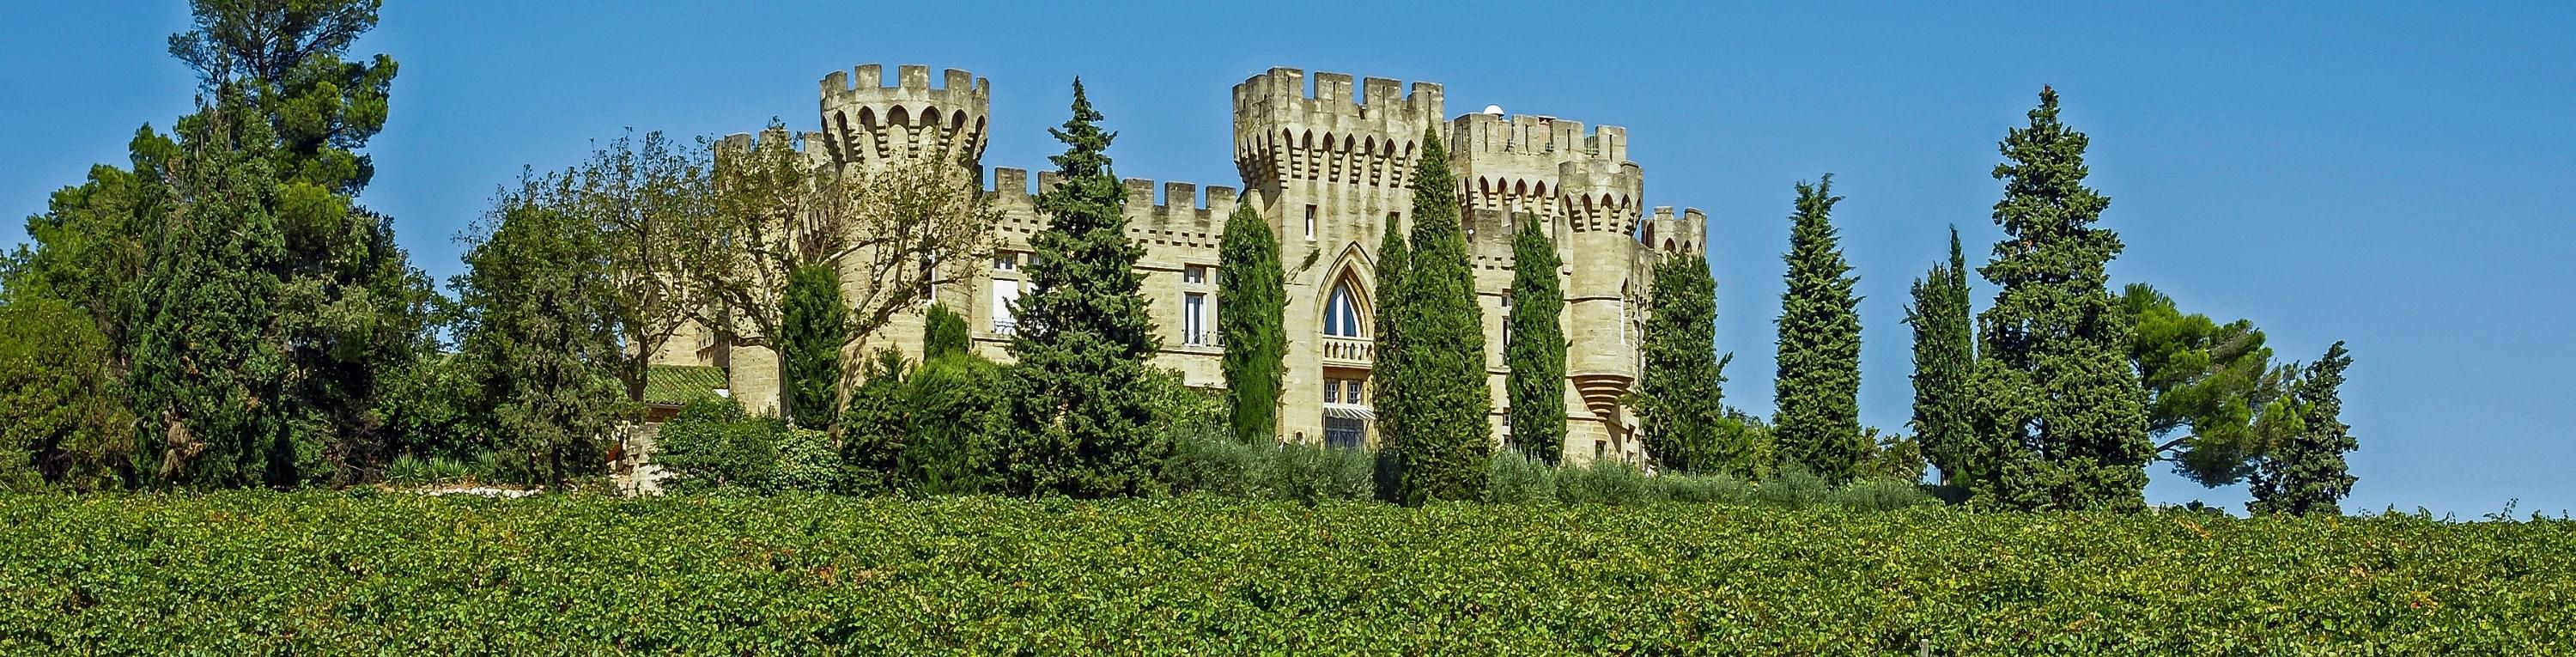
(2394,175)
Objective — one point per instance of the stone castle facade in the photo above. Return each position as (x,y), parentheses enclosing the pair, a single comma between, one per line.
(1328,167)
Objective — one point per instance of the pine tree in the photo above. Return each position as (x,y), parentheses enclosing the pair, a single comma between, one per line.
(1944,355)
(2056,392)
(1535,351)
(1818,422)
(1448,439)
(813,326)
(943,332)
(1251,297)
(1680,396)
(2307,474)
(1084,334)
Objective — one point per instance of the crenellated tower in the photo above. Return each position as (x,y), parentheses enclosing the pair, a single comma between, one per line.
(867,122)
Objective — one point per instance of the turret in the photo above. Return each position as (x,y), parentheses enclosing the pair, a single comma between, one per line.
(870,123)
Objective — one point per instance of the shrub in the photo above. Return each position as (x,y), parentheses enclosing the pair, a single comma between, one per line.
(712,443)
(807,461)
(1314,473)
(961,415)
(1604,482)
(1882,495)
(1704,489)
(1515,478)
(1796,489)
(1215,463)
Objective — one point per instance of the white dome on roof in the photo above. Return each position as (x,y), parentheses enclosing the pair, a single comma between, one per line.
(1494,110)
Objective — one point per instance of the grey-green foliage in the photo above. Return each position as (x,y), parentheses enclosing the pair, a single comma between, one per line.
(1818,423)
(2306,474)
(1252,294)
(1212,462)
(1516,478)
(1536,350)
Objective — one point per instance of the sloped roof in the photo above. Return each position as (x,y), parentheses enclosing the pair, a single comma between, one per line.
(674,385)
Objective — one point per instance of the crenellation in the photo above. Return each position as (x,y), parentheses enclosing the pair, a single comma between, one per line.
(1327,160)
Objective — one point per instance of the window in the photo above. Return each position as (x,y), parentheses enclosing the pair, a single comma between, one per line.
(1006,260)
(1351,392)
(1332,391)
(1005,293)
(1194,274)
(1345,433)
(1194,319)
(1310,223)
(1342,313)
(929,278)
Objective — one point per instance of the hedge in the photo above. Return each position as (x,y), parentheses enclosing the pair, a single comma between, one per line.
(390,573)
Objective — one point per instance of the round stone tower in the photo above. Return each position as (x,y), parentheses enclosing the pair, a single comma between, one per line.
(867,123)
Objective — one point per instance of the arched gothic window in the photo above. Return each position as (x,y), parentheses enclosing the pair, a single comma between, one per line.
(1342,314)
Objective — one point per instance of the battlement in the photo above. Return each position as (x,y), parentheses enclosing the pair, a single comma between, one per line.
(1553,138)
(1666,233)
(865,83)
(1185,212)
(1284,90)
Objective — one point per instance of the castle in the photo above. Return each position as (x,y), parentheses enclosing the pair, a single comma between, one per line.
(1328,168)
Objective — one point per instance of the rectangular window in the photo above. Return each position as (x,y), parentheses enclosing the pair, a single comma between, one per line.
(1194,318)
(1351,391)
(1005,260)
(1332,391)
(1005,293)
(1310,223)
(1194,274)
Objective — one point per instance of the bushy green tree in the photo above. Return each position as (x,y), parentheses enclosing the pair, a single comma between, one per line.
(813,327)
(1251,298)
(2214,396)
(1818,421)
(1944,357)
(1084,334)
(2306,474)
(539,339)
(1536,350)
(880,423)
(1446,439)
(712,444)
(962,411)
(1680,395)
(943,332)
(63,419)
(2056,391)
(1393,260)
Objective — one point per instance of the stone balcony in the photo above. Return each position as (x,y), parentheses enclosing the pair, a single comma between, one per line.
(1349,352)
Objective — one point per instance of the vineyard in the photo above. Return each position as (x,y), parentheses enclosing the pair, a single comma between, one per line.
(325,573)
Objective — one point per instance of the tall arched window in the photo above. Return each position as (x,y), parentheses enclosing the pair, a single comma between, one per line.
(1342,312)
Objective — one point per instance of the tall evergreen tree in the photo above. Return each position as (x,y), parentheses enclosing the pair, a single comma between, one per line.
(1818,422)
(2306,474)
(1680,396)
(1251,299)
(1393,260)
(1084,334)
(1535,351)
(205,378)
(813,327)
(539,340)
(1447,440)
(2055,387)
(1944,356)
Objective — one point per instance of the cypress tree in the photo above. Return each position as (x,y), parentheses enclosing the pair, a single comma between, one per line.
(1447,438)
(1818,422)
(1251,296)
(1081,405)
(2058,396)
(205,380)
(813,326)
(2307,474)
(1393,259)
(943,332)
(1536,350)
(1944,355)
(1680,395)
